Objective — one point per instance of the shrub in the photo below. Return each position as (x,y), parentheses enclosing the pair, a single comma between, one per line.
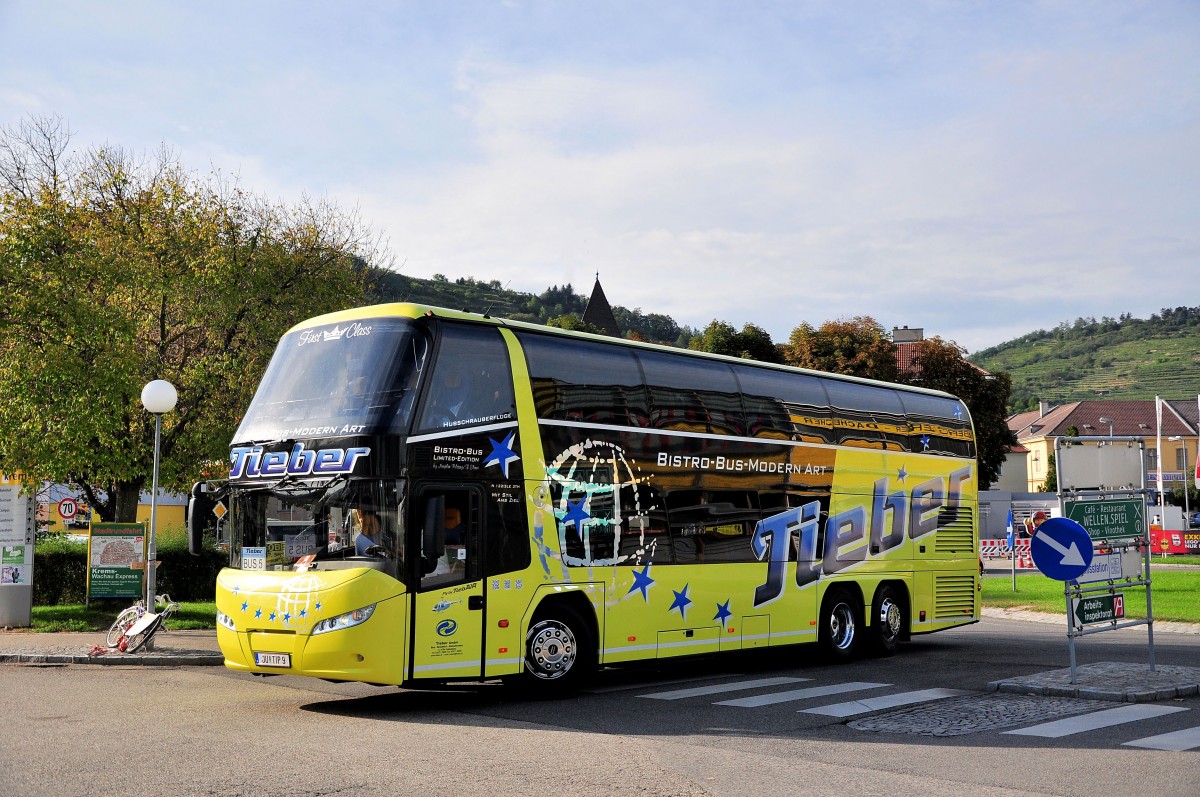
(60,571)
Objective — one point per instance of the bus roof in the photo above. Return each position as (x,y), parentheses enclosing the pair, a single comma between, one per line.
(411,310)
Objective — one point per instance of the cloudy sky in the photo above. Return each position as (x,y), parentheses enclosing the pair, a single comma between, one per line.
(981,170)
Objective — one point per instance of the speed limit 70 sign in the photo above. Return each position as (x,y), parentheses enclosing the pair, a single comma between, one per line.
(68,508)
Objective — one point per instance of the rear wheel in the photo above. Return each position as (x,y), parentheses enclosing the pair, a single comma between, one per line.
(839,625)
(559,652)
(888,618)
(138,641)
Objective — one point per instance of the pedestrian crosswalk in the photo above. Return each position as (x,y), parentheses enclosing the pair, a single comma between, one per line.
(780,690)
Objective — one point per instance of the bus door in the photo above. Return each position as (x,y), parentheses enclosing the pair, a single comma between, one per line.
(447,625)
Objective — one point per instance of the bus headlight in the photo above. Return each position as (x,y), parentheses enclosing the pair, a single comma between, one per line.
(347,620)
(226,621)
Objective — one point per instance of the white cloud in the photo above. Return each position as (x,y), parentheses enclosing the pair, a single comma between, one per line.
(972,170)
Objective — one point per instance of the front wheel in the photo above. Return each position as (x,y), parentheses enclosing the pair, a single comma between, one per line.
(559,652)
(839,625)
(120,626)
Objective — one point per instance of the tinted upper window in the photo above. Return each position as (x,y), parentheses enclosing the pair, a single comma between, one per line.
(867,415)
(471,382)
(692,394)
(584,381)
(938,424)
(784,405)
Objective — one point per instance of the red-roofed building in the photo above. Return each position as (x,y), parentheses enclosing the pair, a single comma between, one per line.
(1037,431)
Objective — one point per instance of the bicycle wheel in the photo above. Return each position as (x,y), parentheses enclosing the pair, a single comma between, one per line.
(120,626)
(138,640)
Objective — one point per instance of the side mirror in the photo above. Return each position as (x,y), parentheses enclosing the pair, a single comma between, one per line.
(433,534)
(199,510)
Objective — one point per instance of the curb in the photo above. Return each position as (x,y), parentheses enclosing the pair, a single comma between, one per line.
(157,659)
(1165,626)
(154,658)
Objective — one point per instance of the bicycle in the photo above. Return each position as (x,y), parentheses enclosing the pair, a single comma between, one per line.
(135,627)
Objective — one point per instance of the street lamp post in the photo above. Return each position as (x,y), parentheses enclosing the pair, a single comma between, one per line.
(158,397)
(1110,422)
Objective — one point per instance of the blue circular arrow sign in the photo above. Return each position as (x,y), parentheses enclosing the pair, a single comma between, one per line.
(1061,549)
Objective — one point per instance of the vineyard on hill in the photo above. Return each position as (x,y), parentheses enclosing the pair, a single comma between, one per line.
(1124,358)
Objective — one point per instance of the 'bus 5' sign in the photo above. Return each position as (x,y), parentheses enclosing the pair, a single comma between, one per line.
(914,514)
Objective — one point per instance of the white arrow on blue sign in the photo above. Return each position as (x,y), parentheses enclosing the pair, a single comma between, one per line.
(1061,549)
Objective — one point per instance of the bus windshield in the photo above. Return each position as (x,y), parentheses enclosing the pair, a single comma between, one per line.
(350,378)
(353,520)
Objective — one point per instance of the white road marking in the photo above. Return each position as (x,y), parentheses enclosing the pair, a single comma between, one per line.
(1096,720)
(800,694)
(865,705)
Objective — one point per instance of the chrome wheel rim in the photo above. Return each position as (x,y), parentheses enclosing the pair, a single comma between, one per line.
(841,626)
(552,649)
(890,619)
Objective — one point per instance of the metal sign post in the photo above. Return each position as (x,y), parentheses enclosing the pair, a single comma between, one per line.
(1102,488)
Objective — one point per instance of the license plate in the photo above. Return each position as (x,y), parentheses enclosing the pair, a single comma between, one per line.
(273,659)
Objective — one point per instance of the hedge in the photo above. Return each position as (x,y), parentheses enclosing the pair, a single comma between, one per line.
(60,572)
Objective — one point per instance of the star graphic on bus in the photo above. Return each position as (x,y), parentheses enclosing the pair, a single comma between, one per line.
(502,454)
(925,442)
(642,582)
(245,605)
(958,412)
(257,613)
(575,513)
(681,601)
(902,474)
(723,613)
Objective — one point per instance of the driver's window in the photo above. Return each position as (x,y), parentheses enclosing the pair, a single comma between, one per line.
(449,536)
(471,381)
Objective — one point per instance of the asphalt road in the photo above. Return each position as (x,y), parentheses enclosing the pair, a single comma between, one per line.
(79,730)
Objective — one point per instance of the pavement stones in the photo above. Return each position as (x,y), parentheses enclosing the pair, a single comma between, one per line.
(171,648)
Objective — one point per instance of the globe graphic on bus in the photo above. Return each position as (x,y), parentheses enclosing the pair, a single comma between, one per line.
(294,606)
(597,502)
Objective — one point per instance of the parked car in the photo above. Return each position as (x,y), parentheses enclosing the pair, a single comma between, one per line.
(1194,520)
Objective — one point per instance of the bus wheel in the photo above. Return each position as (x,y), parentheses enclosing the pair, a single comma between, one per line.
(559,653)
(888,620)
(839,625)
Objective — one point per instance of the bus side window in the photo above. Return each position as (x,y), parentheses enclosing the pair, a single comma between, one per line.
(470,382)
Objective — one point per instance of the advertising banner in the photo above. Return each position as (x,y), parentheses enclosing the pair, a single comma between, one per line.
(116,560)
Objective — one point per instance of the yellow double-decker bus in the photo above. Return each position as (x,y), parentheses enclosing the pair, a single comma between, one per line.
(416,493)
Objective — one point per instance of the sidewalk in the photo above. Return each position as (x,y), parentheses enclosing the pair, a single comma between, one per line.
(171,648)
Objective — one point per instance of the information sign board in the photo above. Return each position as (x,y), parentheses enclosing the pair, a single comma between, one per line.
(1099,608)
(1113,566)
(116,560)
(1109,520)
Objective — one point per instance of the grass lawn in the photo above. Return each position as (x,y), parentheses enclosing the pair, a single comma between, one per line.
(77,617)
(1175,594)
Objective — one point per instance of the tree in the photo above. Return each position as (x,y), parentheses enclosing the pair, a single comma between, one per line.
(116,271)
(574,323)
(1051,483)
(942,365)
(752,343)
(857,346)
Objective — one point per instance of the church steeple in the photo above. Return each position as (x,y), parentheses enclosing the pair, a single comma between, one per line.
(599,313)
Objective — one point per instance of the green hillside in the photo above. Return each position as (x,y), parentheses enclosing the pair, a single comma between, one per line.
(477,296)
(1125,358)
